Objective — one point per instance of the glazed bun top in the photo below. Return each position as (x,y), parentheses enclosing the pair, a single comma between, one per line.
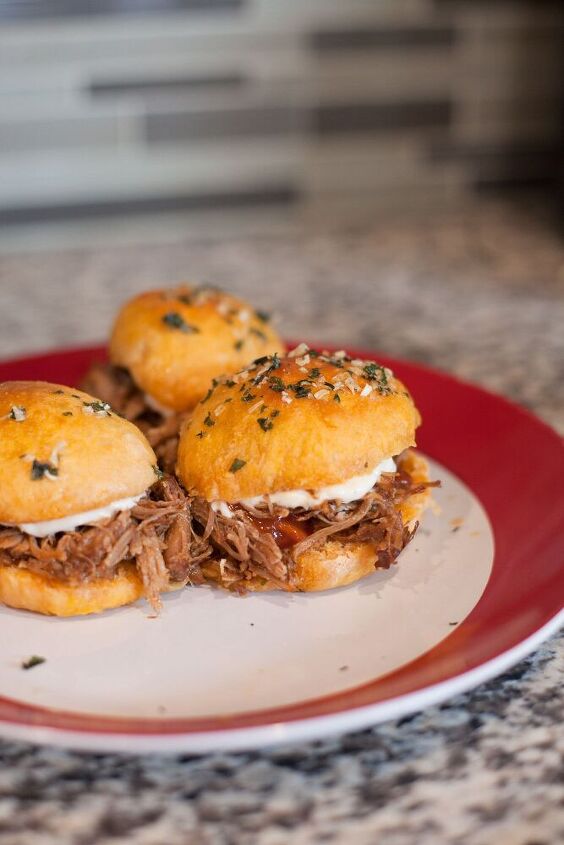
(303,421)
(173,342)
(63,452)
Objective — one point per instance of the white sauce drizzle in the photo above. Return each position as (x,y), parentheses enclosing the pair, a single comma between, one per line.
(347,491)
(69,523)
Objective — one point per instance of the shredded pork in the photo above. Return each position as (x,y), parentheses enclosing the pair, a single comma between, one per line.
(149,535)
(248,553)
(171,536)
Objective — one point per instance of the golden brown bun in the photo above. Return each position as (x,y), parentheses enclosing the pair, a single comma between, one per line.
(336,564)
(99,457)
(173,342)
(308,443)
(27,590)
(418,468)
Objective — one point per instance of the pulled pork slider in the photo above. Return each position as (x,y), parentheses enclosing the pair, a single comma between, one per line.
(85,524)
(166,347)
(300,474)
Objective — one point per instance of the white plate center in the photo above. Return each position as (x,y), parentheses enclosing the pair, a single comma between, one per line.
(211,653)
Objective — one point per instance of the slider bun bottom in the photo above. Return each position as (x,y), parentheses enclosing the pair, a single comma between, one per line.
(336,564)
(27,590)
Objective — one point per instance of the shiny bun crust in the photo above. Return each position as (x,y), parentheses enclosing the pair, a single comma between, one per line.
(63,452)
(305,421)
(27,590)
(336,564)
(173,342)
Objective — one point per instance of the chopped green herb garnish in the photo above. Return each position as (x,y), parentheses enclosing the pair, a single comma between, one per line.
(248,396)
(314,373)
(265,423)
(237,464)
(262,409)
(263,316)
(238,345)
(258,361)
(43,469)
(276,383)
(229,383)
(34,660)
(74,395)
(158,472)
(258,333)
(370,370)
(177,321)
(67,413)
(301,388)
(375,372)
(329,385)
(336,397)
(209,421)
(99,409)
(201,434)
(275,414)
(208,394)
(58,392)
(17,413)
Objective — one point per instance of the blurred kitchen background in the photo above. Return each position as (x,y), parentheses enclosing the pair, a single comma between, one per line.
(112,110)
(379,172)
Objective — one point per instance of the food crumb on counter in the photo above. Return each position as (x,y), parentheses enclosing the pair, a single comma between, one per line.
(34,660)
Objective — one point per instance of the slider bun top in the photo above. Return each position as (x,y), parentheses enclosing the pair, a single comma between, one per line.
(175,341)
(282,419)
(97,456)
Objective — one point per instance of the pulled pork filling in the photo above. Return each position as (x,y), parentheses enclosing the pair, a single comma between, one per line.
(152,535)
(265,543)
(171,536)
(115,386)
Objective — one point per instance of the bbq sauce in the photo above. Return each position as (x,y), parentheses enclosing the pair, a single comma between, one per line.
(285,530)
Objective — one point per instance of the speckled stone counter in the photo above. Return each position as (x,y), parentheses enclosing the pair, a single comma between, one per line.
(479,292)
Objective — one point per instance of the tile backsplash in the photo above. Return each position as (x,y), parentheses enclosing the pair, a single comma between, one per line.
(117,106)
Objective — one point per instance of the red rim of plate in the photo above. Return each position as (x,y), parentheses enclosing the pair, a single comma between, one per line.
(511,461)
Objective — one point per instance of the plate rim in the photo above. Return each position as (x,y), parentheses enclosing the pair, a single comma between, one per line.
(262,727)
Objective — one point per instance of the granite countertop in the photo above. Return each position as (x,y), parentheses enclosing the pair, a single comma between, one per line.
(479,292)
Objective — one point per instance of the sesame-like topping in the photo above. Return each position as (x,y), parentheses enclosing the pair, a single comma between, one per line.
(16,412)
(298,351)
(270,383)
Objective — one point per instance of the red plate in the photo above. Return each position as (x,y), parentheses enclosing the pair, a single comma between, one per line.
(511,461)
